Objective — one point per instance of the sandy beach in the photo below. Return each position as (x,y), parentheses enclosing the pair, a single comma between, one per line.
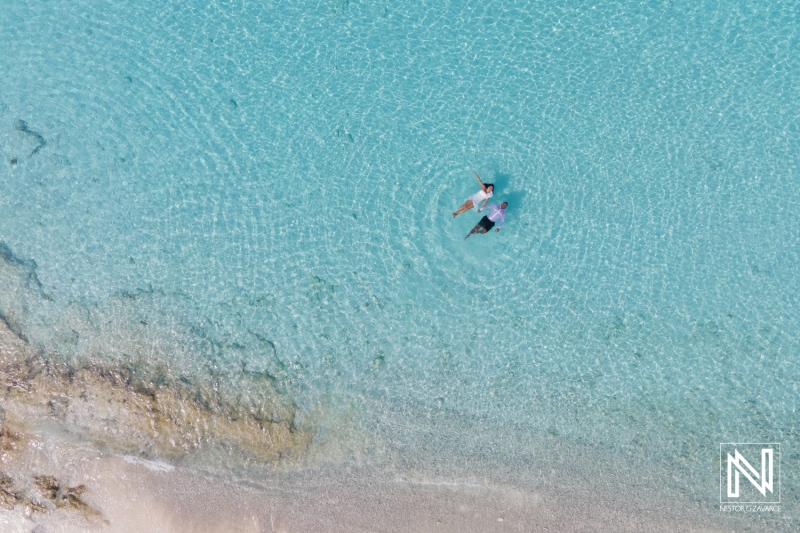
(131,495)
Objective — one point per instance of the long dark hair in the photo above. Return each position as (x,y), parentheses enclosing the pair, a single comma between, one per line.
(487,185)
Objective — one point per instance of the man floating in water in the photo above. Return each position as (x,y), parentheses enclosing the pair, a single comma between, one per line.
(497,215)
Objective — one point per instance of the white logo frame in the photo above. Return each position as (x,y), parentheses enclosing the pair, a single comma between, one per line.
(729,462)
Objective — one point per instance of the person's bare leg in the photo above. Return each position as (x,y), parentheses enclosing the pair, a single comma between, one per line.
(473,232)
(466,207)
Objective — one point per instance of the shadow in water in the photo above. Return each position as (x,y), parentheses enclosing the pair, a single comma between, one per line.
(505,191)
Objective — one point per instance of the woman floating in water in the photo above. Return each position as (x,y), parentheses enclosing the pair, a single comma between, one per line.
(473,201)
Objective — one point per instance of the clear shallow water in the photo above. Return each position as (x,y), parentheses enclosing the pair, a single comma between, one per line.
(278,182)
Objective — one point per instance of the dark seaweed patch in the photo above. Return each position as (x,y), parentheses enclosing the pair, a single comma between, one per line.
(343,136)
(29,264)
(63,496)
(9,497)
(13,327)
(22,126)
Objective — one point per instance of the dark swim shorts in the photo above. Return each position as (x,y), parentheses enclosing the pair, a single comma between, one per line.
(486,224)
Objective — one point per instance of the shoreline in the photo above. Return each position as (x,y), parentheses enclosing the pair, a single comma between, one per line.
(83,452)
(98,492)
(55,480)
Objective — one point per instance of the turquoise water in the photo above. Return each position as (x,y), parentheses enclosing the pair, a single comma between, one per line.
(269,186)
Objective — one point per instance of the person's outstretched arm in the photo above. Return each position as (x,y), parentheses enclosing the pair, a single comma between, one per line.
(483,187)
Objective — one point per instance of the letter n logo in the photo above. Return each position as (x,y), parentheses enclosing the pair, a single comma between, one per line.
(760,485)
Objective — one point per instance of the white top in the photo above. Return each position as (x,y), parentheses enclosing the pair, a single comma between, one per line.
(479,197)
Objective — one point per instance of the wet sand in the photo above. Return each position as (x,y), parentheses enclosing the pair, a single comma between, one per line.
(133,495)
